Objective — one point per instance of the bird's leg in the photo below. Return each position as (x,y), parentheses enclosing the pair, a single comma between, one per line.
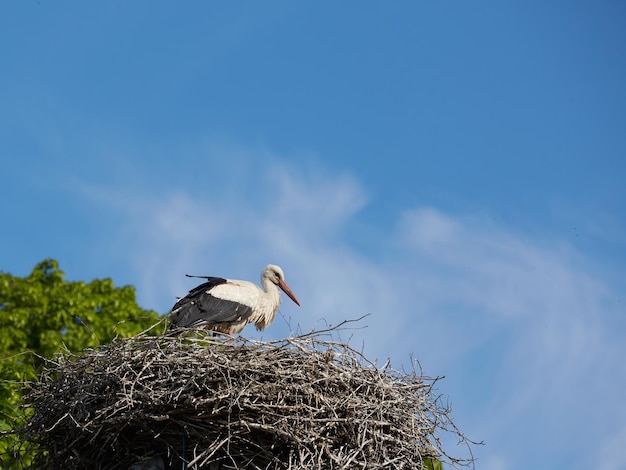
(229,336)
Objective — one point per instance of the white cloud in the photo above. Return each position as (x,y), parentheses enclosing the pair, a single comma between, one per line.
(612,452)
(518,324)
(539,297)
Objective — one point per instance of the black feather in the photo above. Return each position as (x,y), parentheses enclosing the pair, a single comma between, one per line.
(200,308)
(206,286)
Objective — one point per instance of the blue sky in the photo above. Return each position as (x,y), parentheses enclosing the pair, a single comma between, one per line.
(455,169)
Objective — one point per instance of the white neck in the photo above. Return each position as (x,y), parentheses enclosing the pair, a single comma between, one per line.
(268,306)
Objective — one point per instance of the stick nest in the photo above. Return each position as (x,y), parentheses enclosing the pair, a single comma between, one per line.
(203,402)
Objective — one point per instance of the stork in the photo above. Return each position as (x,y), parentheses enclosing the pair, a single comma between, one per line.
(228,305)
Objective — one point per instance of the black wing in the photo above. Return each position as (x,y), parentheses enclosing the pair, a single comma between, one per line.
(210,283)
(200,308)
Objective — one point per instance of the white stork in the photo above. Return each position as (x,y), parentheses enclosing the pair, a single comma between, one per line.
(227,305)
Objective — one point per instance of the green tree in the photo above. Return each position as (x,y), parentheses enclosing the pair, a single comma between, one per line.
(432,464)
(42,314)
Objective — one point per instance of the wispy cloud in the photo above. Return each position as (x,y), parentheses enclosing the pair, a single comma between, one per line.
(523,331)
(554,318)
(612,453)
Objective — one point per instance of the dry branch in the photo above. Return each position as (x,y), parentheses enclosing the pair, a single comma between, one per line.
(202,402)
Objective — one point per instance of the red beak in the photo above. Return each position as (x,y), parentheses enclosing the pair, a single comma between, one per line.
(283,285)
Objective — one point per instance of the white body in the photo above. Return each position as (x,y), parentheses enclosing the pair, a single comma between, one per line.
(264,304)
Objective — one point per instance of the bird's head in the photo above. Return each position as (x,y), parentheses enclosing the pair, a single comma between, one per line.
(276,276)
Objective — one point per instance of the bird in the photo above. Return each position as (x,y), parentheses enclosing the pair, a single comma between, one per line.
(228,305)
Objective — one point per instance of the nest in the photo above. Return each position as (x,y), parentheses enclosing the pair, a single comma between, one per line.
(205,402)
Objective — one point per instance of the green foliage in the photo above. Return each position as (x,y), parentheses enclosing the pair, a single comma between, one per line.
(42,314)
(432,464)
